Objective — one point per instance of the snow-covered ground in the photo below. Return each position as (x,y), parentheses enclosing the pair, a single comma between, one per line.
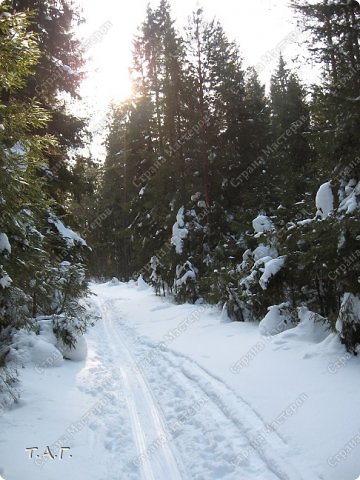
(173,392)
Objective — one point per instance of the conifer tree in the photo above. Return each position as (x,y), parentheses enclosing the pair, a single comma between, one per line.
(327,244)
(42,268)
(290,121)
(57,74)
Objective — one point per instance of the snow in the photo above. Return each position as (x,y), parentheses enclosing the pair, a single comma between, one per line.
(262,261)
(188,275)
(76,354)
(184,273)
(262,224)
(350,203)
(324,201)
(311,327)
(349,309)
(196,197)
(29,348)
(277,320)
(4,243)
(224,317)
(264,251)
(307,221)
(71,238)
(271,268)
(68,69)
(141,284)
(46,329)
(18,149)
(174,392)
(179,232)
(5,280)
(64,67)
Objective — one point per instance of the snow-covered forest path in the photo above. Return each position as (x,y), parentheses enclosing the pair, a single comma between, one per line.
(146,421)
(185,423)
(178,392)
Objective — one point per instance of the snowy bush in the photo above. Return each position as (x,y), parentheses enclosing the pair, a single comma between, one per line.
(312,327)
(185,286)
(16,310)
(278,319)
(28,348)
(77,352)
(156,277)
(348,323)
(8,383)
(237,306)
(255,283)
(69,327)
(349,195)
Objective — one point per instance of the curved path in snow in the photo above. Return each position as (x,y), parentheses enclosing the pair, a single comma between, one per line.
(186,424)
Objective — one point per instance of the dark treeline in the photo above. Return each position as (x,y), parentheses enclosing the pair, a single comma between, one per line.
(42,261)
(209,183)
(212,189)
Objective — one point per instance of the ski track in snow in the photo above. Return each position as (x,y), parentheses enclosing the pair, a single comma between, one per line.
(110,432)
(150,413)
(186,424)
(146,420)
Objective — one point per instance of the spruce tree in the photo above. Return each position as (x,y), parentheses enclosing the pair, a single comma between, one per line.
(290,152)
(42,270)
(333,239)
(56,76)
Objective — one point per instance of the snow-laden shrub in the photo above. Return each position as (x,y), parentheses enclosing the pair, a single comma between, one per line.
(237,306)
(68,283)
(8,374)
(29,348)
(16,309)
(185,286)
(243,272)
(69,326)
(278,319)
(156,276)
(312,327)
(256,280)
(348,323)
(8,386)
(77,353)
(349,195)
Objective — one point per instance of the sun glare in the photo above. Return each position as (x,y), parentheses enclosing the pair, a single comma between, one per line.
(108,34)
(110,28)
(110,55)
(108,70)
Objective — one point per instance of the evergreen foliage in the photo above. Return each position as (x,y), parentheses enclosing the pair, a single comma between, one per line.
(221,192)
(42,261)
